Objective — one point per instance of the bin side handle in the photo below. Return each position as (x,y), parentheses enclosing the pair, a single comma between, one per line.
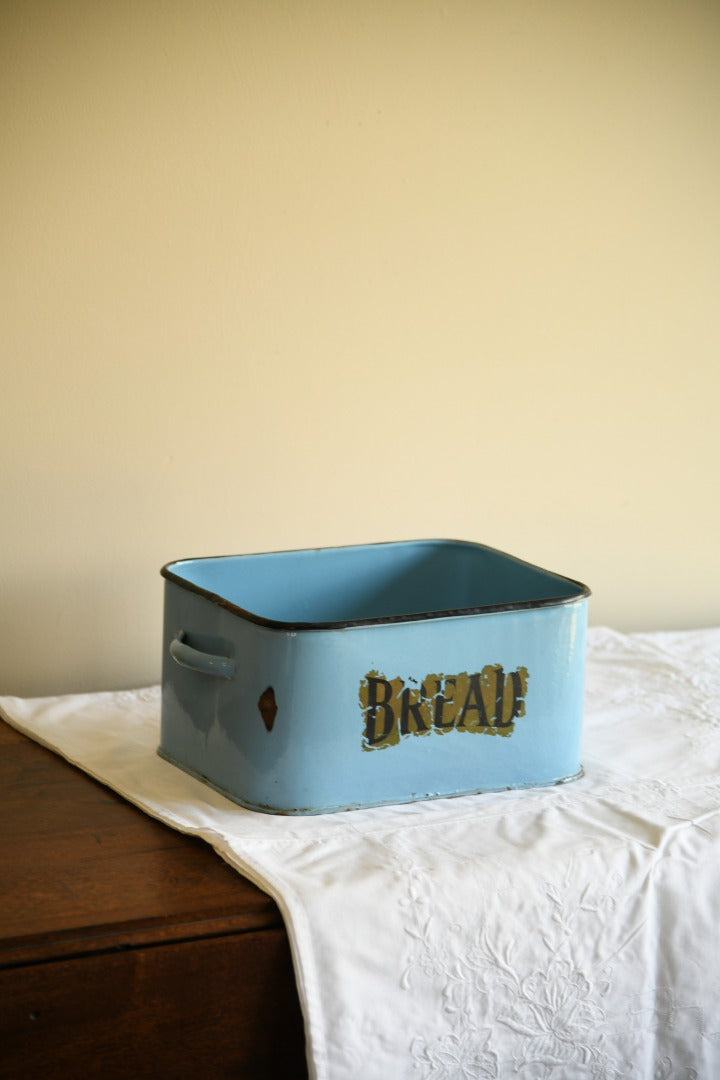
(205,663)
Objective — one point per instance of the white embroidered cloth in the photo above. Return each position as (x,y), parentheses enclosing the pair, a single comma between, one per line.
(570,932)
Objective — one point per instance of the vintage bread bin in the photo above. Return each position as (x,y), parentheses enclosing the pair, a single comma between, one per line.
(303,682)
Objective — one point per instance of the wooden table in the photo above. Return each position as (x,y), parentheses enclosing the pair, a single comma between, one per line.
(127,949)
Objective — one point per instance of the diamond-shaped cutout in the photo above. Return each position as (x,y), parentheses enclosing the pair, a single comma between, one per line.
(268,707)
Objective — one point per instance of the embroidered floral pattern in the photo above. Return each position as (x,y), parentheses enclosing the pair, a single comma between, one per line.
(553,1011)
(463,1055)
(558,1013)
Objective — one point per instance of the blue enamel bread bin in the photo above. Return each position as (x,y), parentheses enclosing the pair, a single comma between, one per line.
(303,682)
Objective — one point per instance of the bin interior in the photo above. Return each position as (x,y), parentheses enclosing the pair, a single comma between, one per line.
(372,582)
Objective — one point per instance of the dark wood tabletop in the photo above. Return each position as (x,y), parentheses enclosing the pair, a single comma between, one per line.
(126,948)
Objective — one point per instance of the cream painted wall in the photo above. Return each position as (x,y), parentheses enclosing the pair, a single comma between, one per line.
(279,274)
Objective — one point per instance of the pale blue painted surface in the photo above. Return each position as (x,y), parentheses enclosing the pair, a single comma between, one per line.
(460,606)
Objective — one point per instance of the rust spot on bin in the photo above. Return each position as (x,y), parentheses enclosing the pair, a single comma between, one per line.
(268,707)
